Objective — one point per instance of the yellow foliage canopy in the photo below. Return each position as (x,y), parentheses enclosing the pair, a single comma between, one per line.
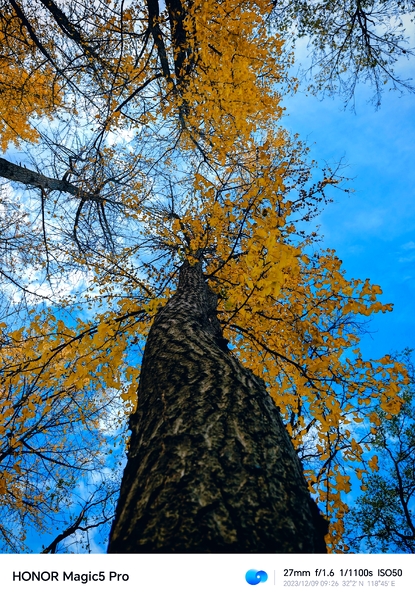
(206,172)
(27,89)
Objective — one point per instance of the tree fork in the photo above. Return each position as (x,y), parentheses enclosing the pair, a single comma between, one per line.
(210,466)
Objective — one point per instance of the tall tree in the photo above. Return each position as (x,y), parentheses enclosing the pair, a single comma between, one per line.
(211,467)
(164,157)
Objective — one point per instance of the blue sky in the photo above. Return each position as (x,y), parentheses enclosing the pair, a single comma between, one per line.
(373,229)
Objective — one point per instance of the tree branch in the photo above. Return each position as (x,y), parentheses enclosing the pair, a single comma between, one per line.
(76,525)
(68,28)
(14,172)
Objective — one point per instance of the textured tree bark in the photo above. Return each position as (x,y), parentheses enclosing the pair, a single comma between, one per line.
(14,172)
(210,466)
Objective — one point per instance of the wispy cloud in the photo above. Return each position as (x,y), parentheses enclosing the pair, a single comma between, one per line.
(408,246)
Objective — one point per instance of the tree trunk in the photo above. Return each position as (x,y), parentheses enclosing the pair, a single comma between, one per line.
(210,466)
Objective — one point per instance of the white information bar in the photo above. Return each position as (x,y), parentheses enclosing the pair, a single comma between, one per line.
(210,576)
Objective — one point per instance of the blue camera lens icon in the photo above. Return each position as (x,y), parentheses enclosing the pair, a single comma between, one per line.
(253,576)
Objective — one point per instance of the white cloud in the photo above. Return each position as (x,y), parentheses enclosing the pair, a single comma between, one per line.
(408,246)
(407,259)
(121,135)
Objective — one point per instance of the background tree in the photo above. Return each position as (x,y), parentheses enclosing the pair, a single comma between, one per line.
(164,150)
(350,42)
(51,431)
(383,519)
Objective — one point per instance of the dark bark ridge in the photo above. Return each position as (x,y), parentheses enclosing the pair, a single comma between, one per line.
(210,466)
